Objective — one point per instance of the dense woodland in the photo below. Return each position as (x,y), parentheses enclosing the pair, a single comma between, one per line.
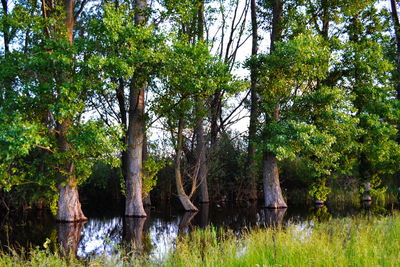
(196,100)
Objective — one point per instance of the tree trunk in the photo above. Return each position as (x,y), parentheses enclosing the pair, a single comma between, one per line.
(201,160)
(215,115)
(134,160)
(120,94)
(136,127)
(272,190)
(254,113)
(69,207)
(186,203)
(396,24)
(199,130)
(325,19)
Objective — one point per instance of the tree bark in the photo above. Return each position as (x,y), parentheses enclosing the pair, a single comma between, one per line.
(396,24)
(254,112)
(325,19)
(184,199)
(136,127)
(201,160)
(120,94)
(273,197)
(199,130)
(69,207)
(134,160)
(272,188)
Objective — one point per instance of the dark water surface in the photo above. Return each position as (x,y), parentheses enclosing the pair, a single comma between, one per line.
(155,235)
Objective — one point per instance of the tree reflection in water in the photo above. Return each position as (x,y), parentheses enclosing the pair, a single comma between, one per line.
(134,234)
(156,236)
(69,235)
(273,217)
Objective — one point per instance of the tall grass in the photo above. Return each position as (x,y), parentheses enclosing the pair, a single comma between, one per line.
(359,241)
(346,242)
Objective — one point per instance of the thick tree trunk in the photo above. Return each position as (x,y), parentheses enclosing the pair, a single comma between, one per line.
(396,24)
(134,160)
(136,127)
(272,190)
(186,203)
(69,207)
(254,113)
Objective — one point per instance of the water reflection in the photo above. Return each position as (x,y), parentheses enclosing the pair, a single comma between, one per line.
(320,214)
(273,217)
(133,233)
(100,236)
(69,235)
(204,212)
(156,235)
(185,225)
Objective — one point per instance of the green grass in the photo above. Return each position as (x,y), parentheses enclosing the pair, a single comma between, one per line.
(359,241)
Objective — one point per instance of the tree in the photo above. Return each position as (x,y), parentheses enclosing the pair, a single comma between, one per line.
(254,113)
(48,94)
(127,53)
(367,78)
(189,75)
(396,26)
(273,197)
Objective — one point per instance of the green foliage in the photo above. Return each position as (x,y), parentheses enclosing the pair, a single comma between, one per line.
(319,191)
(151,168)
(45,84)
(376,190)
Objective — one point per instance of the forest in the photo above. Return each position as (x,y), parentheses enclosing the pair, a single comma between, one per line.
(135,104)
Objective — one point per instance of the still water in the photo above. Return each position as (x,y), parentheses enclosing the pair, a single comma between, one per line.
(155,236)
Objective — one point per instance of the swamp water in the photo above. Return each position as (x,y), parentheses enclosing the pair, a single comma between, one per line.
(107,231)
